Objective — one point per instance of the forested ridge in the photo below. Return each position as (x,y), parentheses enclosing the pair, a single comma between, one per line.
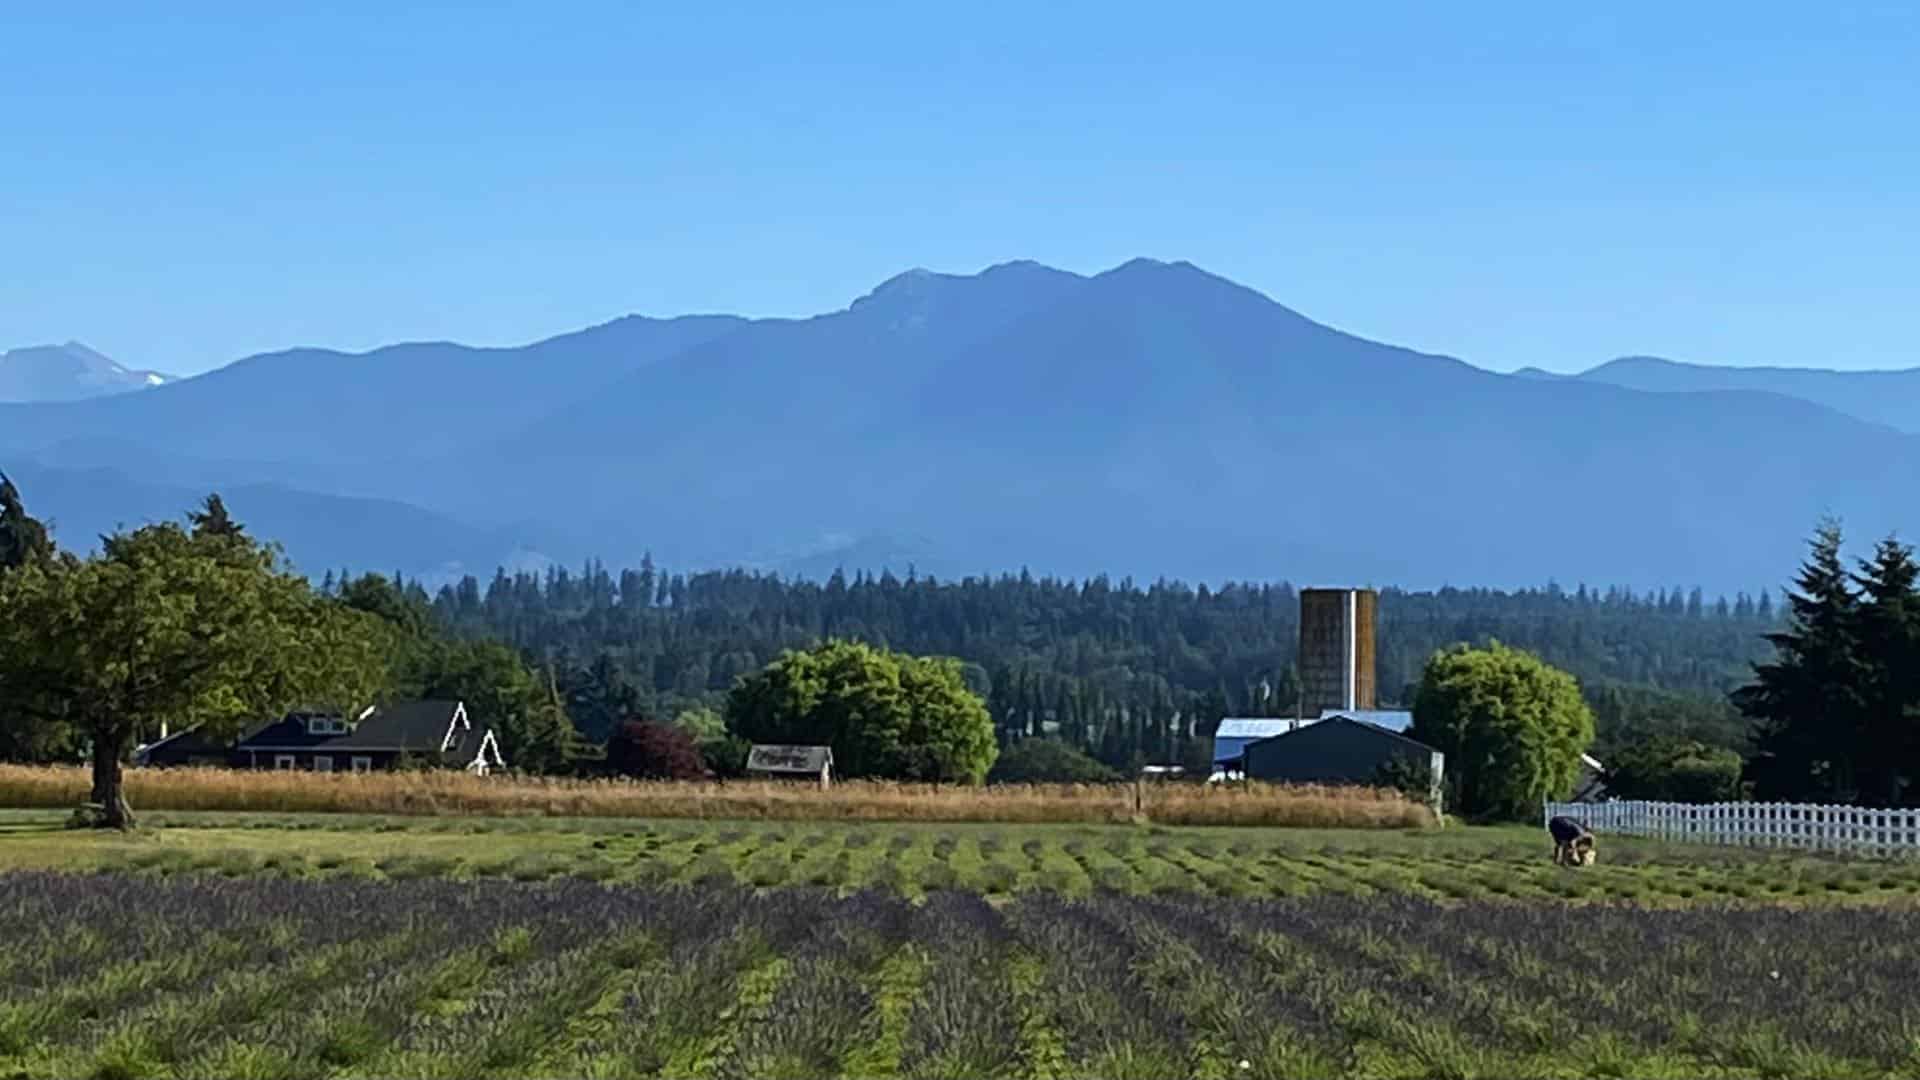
(1124,669)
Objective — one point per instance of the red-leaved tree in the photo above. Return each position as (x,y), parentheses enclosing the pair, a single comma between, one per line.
(649,750)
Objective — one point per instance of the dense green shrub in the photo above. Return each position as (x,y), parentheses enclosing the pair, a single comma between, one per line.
(1513,728)
(1048,761)
(885,714)
(1674,770)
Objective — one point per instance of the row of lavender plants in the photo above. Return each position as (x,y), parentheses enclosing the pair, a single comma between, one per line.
(132,976)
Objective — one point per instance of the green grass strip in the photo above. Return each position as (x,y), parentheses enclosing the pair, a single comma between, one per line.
(896,987)
(1043,1051)
(708,1055)
(575,1046)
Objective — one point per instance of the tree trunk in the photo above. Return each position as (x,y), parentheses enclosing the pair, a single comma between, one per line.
(109,792)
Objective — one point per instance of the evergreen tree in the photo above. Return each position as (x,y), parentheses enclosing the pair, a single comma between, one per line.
(1806,703)
(602,699)
(643,591)
(212,520)
(23,539)
(1888,637)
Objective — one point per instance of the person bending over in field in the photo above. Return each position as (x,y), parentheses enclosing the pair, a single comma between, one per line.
(1572,842)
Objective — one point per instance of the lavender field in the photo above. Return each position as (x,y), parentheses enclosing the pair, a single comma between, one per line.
(130,976)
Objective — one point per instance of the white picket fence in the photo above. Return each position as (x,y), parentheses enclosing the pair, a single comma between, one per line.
(1799,825)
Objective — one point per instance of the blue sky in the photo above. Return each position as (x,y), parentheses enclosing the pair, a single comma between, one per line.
(185,184)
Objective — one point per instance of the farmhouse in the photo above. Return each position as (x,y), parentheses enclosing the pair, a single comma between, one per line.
(792,763)
(381,737)
(189,746)
(432,733)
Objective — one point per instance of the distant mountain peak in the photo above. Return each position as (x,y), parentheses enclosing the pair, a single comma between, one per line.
(91,355)
(920,283)
(905,283)
(1623,362)
(71,371)
(1142,265)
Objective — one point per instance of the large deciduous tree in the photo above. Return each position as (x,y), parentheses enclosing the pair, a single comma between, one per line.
(1513,728)
(167,627)
(723,751)
(883,713)
(24,541)
(949,733)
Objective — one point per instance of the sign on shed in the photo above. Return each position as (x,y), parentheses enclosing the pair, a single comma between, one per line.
(795,762)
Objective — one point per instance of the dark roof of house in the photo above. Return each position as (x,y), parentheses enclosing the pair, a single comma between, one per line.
(789,759)
(186,741)
(288,732)
(411,725)
(438,729)
(1386,731)
(469,742)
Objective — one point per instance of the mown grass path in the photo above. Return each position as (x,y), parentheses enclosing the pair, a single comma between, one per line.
(1452,864)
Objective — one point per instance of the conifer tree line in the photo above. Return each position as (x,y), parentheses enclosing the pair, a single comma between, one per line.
(1836,711)
(1127,672)
(1823,706)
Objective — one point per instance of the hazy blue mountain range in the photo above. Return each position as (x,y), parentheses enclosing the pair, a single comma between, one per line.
(70,372)
(330,531)
(1150,420)
(1883,397)
(323,407)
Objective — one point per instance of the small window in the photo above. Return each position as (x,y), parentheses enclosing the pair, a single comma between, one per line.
(323,763)
(362,764)
(283,762)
